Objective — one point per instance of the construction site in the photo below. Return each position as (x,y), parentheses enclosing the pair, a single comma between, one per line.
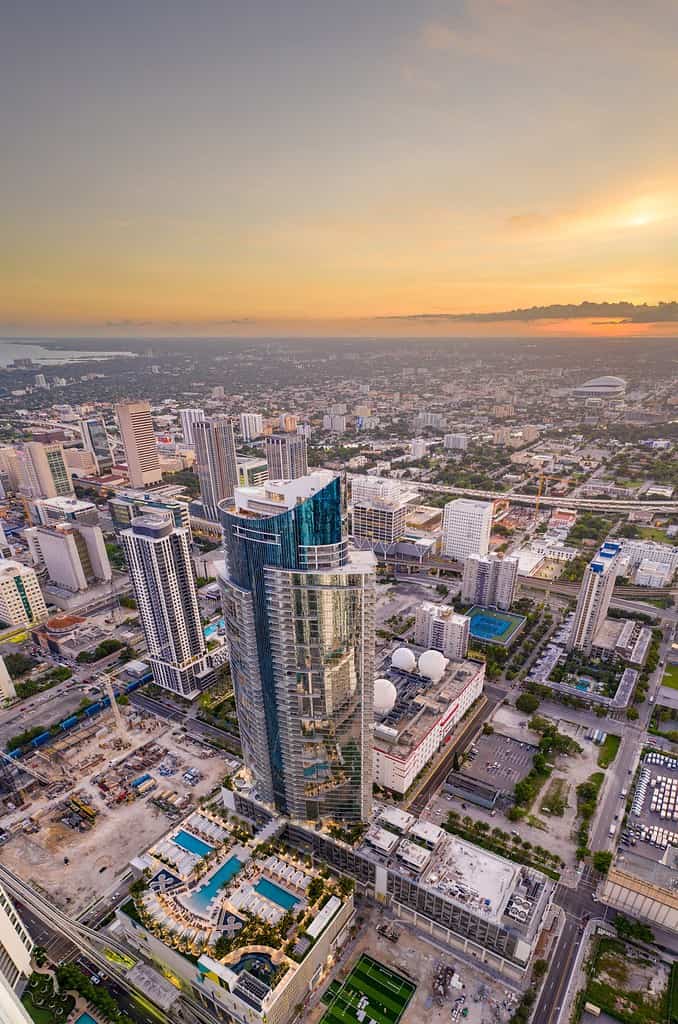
(79,807)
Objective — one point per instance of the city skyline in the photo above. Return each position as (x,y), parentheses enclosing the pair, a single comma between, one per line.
(339,171)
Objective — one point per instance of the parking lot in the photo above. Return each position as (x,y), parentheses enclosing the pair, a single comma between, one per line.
(653,822)
(499,760)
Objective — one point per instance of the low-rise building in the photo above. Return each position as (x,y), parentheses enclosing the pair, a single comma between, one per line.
(426,704)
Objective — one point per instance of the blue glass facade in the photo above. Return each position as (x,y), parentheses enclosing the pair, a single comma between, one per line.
(279,668)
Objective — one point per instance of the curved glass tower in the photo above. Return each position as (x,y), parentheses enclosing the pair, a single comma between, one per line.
(299,616)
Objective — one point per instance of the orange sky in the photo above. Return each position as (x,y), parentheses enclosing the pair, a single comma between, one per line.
(323,170)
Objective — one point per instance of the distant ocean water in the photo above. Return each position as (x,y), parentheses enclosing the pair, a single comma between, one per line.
(28,349)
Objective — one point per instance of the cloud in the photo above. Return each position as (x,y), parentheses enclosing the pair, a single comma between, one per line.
(663,312)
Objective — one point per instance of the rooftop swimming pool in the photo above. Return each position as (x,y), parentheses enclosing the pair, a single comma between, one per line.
(191,843)
(273,892)
(212,628)
(85,1018)
(201,897)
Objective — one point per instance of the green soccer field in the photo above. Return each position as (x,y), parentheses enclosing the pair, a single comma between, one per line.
(387,994)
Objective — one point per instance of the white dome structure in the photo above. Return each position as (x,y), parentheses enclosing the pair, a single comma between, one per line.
(432,665)
(385,696)
(602,387)
(403,659)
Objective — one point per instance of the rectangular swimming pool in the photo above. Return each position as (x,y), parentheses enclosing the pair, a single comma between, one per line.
(202,896)
(191,843)
(273,892)
(85,1018)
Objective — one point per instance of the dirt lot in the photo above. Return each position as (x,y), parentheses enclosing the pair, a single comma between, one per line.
(416,957)
(539,828)
(99,856)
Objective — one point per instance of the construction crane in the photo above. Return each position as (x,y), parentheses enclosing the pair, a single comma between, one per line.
(10,762)
(110,693)
(540,489)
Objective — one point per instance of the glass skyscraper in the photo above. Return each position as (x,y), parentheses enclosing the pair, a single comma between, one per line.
(299,615)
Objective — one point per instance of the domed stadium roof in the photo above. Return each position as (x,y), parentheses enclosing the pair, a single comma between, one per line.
(602,386)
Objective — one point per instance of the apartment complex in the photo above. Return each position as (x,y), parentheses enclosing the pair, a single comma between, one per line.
(286,456)
(251,425)
(188,418)
(128,504)
(159,562)
(467,526)
(215,462)
(594,597)
(16,947)
(138,439)
(439,628)
(299,616)
(490,581)
(21,600)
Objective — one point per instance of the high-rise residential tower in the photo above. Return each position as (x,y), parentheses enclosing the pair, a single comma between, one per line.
(299,615)
(159,562)
(215,462)
(490,580)
(286,456)
(251,425)
(189,417)
(141,452)
(21,600)
(379,509)
(95,440)
(16,947)
(595,596)
(467,526)
(440,628)
(43,471)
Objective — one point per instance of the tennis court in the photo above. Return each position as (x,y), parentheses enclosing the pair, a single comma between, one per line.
(375,992)
(491,626)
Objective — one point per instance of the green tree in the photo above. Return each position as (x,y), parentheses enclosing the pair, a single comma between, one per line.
(602,860)
(527,703)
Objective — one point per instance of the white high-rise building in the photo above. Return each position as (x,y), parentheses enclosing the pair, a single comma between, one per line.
(286,456)
(595,596)
(44,473)
(16,947)
(456,442)
(188,418)
(439,628)
(215,462)
(21,600)
(334,422)
(467,526)
(7,688)
(141,450)
(74,554)
(251,425)
(159,561)
(489,580)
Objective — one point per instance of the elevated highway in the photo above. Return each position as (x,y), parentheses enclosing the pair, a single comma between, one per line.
(545,501)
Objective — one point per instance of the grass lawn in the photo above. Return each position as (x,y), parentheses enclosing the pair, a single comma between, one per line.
(43,1004)
(608,750)
(671,677)
(387,992)
(653,533)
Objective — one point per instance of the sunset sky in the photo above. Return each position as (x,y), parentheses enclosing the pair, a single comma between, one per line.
(269,167)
